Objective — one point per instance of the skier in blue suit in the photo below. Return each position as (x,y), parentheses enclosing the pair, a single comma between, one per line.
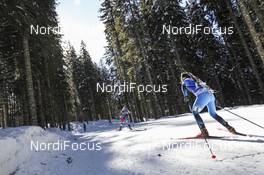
(204,98)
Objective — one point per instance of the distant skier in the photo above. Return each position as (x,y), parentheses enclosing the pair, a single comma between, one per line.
(124,118)
(204,98)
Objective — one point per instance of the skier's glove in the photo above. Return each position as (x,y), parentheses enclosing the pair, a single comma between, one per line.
(186,99)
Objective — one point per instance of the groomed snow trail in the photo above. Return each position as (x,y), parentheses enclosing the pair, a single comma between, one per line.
(155,151)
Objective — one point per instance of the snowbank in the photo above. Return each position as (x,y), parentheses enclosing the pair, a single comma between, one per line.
(16,145)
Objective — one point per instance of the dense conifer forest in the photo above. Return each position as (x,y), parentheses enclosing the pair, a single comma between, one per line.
(44,83)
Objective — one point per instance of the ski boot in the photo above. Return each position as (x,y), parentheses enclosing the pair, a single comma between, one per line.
(120,128)
(231,129)
(129,126)
(204,133)
(225,124)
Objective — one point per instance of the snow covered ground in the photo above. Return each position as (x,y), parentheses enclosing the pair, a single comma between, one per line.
(155,151)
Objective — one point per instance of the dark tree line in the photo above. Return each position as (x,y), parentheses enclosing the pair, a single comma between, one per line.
(84,75)
(40,82)
(31,95)
(138,52)
(45,84)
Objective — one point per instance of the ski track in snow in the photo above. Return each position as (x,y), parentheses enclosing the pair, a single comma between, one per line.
(141,152)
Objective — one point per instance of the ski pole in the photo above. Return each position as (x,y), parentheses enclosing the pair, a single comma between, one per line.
(213,156)
(210,149)
(241,117)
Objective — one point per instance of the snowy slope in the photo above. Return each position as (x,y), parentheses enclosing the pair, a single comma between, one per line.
(154,151)
(16,149)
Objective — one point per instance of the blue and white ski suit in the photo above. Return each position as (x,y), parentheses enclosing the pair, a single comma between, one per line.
(204,98)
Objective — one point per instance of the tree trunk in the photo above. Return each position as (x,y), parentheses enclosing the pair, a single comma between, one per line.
(26,120)
(142,99)
(4,116)
(176,86)
(49,105)
(255,36)
(240,74)
(93,112)
(118,55)
(41,114)
(137,107)
(222,99)
(139,43)
(29,82)
(256,8)
(248,53)
(109,110)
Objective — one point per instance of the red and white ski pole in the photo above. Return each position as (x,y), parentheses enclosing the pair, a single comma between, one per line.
(213,156)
